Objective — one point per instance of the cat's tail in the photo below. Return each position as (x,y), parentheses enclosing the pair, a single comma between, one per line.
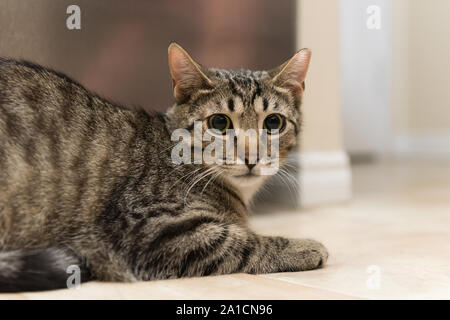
(41,269)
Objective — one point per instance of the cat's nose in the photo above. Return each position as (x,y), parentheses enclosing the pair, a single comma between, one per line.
(249,165)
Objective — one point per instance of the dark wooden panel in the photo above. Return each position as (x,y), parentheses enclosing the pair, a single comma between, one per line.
(121,51)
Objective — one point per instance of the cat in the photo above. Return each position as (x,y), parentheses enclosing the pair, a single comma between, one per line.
(86,182)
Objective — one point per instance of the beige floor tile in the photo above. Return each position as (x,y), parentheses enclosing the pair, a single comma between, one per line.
(396,230)
(237,286)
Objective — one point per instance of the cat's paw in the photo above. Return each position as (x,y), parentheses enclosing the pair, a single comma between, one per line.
(307,254)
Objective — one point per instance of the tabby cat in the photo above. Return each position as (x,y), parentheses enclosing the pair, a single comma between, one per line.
(86,182)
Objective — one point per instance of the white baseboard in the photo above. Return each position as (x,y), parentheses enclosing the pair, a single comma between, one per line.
(423,144)
(322,178)
(325,177)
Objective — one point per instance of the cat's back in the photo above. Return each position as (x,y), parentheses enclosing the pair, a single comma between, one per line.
(50,122)
(64,149)
(27,88)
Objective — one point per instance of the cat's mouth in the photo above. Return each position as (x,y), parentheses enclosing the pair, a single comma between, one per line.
(246,175)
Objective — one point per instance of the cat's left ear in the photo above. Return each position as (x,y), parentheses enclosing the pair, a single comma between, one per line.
(292,73)
(187,75)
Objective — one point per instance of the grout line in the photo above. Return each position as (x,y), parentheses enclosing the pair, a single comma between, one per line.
(288,280)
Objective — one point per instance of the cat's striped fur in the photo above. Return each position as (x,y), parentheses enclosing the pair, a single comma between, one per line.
(84,181)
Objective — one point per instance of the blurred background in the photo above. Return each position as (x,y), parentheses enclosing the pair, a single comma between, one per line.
(377,98)
(121,49)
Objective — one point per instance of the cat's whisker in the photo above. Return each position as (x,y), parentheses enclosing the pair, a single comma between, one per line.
(194,176)
(206,184)
(290,182)
(201,176)
(170,147)
(289,176)
(185,176)
(284,181)
(176,168)
(212,179)
(293,186)
(193,184)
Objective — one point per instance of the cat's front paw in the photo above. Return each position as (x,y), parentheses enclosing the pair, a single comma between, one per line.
(306,254)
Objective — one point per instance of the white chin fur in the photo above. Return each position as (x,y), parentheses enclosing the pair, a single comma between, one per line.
(247,186)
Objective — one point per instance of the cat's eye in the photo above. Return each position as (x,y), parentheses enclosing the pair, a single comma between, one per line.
(274,122)
(220,122)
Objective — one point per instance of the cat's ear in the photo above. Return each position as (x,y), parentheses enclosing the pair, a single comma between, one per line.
(292,73)
(187,75)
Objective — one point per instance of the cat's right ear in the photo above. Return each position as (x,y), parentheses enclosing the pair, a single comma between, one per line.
(187,76)
(291,74)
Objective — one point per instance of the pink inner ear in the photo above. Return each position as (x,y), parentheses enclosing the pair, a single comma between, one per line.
(179,65)
(294,73)
(186,75)
(299,65)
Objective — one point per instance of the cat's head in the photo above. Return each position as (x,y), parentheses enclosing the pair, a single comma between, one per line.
(238,101)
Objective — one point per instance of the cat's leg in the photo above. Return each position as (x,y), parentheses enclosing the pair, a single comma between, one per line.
(203,245)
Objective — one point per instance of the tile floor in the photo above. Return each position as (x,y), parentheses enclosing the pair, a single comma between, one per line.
(391,241)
